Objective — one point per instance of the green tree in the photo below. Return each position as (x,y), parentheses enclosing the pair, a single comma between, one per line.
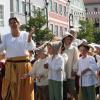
(97,36)
(42,33)
(87,30)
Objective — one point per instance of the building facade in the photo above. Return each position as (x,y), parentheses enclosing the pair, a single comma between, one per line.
(93,11)
(4,15)
(76,12)
(58,16)
(61,13)
(56,9)
(22,9)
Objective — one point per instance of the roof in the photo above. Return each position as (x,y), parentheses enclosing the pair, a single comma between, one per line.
(91,1)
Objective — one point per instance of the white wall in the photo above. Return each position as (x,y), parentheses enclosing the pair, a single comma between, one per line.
(6,4)
(39,3)
(19,15)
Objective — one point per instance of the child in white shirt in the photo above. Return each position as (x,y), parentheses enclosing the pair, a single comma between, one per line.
(87,68)
(56,74)
(39,73)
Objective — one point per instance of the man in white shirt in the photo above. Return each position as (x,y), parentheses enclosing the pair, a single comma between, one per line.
(16,44)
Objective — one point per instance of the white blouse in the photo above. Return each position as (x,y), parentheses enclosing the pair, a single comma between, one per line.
(56,68)
(38,70)
(89,78)
(72,53)
(16,46)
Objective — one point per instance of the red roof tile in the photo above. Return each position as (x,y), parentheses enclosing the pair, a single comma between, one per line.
(91,1)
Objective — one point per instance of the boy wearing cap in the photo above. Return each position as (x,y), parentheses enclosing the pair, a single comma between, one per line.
(39,73)
(87,68)
(72,53)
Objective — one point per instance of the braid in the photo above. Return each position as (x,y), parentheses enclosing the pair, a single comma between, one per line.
(62,47)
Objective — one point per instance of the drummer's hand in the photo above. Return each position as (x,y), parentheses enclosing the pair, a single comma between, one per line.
(30,34)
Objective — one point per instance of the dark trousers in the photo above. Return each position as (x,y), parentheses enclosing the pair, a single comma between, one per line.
(64,90)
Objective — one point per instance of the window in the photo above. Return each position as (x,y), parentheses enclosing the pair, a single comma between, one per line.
(43,12)
(61,31)
(56,30)
(96,20)
(71,11)
(65,11)
(71,20)
(17,5)
(1,15)
(25,8)
(51,27)
(50,5)
(55,7)
(96,9)
(87,19)
(65,29)
(96,24)
(86,10)
(60,9)
(33,10)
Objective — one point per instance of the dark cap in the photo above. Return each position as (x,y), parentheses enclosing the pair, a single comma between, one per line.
(84,45)
(14,18)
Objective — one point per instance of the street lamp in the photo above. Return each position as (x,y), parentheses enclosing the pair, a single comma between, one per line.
(46,7)
(29,9)
(70,16)
(25,13)
(69,12)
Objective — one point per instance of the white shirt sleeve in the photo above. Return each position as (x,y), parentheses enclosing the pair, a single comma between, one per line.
(98,60)
(93,65)
(29,45)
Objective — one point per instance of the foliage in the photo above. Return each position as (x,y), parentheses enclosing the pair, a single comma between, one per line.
(86,31)
(97,36)
(39,21)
